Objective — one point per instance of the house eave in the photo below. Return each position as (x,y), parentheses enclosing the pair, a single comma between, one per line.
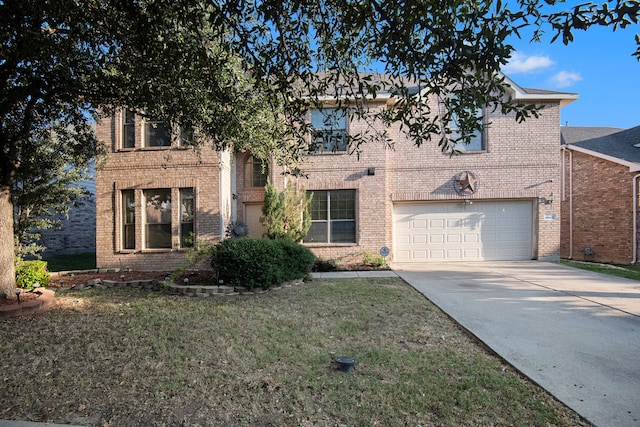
(565,98)
(519,94)
(633,166)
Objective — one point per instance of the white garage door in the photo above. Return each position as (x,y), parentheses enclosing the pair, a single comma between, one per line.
(426,232)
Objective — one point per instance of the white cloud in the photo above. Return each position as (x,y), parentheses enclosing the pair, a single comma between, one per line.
(520,63)
(565,79)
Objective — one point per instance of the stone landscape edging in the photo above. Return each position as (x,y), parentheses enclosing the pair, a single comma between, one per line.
(178,289)
(42,303)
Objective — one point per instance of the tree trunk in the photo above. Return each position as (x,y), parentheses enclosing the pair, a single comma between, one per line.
(7,268)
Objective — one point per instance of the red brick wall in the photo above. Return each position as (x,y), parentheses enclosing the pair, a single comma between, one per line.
(146,168)
(602,200)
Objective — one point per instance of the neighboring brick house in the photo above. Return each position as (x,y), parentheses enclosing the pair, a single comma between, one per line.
(601,168)
(494,202)
(78,231)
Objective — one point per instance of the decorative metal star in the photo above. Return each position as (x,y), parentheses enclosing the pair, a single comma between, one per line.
(466,183)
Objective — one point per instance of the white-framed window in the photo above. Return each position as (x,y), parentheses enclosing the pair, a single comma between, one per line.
(255,172)
(187,217)
(128,219)
(333,217)
(329,133)
(477,142)
(157,218)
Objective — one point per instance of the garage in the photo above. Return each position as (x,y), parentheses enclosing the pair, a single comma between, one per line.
(455,231)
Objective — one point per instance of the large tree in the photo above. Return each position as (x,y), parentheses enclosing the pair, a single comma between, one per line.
(235,71)
(66,62)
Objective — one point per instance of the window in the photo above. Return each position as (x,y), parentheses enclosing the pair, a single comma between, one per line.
(333,217)
(186,136)
(477,139)
(329,132)
(157,218)
(256,173)
(128,129)
(186,217)
(156,134)
(128,220)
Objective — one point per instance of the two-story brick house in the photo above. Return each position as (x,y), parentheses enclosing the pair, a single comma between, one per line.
(493,202)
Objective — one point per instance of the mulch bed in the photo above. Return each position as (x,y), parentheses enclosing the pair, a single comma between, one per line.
(67,280)
(24,297)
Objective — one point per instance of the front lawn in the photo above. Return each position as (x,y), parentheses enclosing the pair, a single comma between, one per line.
(131,358)
(627,271)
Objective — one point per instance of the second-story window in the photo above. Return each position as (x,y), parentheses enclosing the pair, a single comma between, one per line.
(128,129)
(329,132)
(156,134)
(477,142)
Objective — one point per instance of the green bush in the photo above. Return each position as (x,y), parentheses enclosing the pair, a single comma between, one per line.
(322,265)
(260,263)
(299,260)
(30,272)
(371,259)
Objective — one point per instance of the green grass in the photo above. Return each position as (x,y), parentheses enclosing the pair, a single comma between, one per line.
(80,261)
(120,358)
(627,271)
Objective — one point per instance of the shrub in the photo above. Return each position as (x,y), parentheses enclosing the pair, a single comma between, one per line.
(286,215)
(298,259)
(30,272)
(260,263)
(322,265)
(371,259)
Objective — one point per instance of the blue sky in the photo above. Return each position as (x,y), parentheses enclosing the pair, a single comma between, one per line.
(598,66)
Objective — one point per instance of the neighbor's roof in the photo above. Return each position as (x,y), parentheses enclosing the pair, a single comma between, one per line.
(622,147)
(573,134)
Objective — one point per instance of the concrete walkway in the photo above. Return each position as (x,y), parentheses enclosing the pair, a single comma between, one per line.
(575,333)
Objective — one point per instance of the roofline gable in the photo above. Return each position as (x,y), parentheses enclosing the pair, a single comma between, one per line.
(521,93)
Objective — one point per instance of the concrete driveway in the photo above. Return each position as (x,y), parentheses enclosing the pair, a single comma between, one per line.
(575,333)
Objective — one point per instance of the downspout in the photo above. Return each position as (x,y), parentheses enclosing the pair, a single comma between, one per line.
(564,195)
(570,204)
(635,219)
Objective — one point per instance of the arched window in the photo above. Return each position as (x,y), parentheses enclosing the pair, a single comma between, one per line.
(255,172)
